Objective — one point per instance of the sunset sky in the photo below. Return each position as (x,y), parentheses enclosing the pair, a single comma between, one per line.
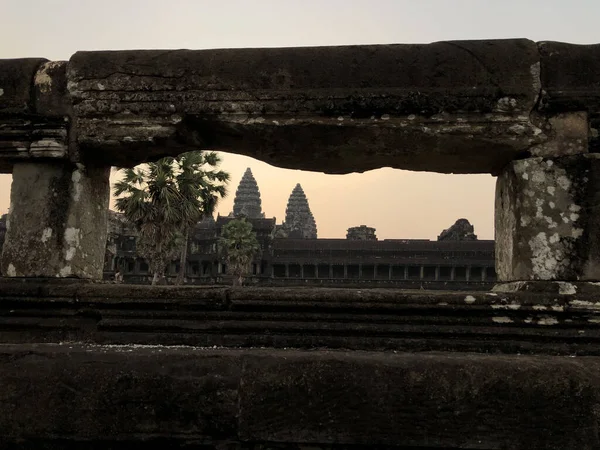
(397,203)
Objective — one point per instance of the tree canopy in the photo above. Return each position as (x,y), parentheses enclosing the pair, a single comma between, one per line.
(239,245)
(165,199)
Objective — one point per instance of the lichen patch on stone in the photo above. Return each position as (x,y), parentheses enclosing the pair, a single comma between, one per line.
(565,288)
(469,299)
(502,319)
(46,234)
(547,321)
(11,271)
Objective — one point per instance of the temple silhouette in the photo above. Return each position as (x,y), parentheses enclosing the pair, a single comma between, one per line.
(291,253)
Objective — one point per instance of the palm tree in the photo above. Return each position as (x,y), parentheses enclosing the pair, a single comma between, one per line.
(165,199)
(238,243)
(201,186)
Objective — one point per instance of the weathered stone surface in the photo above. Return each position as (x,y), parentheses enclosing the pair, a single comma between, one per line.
(546,220)
(16,81)
(220,398)
(51,95)
(420,399)
(57,223)
(314,108)
(562,319)
(27,130)
(569,75)
(569,134)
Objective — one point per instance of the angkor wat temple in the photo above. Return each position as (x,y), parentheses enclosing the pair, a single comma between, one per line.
(292,254)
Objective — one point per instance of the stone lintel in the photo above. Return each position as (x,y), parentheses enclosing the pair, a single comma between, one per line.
(547,226)
(57,222)
(460,106)
(569,76)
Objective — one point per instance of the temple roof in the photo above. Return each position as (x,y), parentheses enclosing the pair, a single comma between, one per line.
(299,221)
(247,200)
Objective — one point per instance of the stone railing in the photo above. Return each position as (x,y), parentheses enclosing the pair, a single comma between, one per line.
(91,365)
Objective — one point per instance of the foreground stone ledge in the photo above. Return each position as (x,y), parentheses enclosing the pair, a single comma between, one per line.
(87,393)
(563,321)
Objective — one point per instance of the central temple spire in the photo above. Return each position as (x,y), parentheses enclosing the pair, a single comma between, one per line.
(247,198)
(299,221)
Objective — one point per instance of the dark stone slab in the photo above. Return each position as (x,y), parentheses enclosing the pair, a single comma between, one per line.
(75,392)
(570,77)
(219,398)
(458,401)
(16,85)
(51,94)
(32,111)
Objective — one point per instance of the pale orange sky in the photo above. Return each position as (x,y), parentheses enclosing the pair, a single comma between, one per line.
(399,204)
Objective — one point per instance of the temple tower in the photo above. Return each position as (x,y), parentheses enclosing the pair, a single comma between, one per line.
(247,198)
(299,221)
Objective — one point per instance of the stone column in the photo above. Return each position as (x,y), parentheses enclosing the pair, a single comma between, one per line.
(287,270)
(406,272)
(422,272)
(390,272)
(452,273)
(301,270)
(330,271)
(548,219)
(468,273)
(57,223)
(374,271)
(345,270)
(359,271)
(437,273)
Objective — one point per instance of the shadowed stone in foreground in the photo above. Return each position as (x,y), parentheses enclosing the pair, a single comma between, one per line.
(72,393)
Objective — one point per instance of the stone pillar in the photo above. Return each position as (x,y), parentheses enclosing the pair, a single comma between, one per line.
(390,272)
(437,273)
(483,273)
(422,272)
(287,270)
(330,271)
(359,271)
(468,273)
(58,221)
(374,271)
(345,270)
(301,270)
(452,273)
(316,270)
(406,272)
(548,219)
